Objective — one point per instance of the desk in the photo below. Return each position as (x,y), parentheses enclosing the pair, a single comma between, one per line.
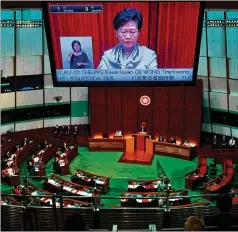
(117,144)
(59,185)
(146,185)
(196,176)
(89,179)
(140,141)
(152,202)
(192,181)
(175,150)
(221,182)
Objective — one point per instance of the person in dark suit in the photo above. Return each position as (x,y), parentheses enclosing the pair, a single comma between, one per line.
(143,127)
(31,169)
(62,130)
(172,140)
(214,142)
(75,133)
(56,130)
(69,132)
(56,165)
(223,220)
(224,142)
(46,144)
(161,139)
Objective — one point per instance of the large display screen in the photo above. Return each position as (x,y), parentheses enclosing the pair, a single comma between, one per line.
(123,43)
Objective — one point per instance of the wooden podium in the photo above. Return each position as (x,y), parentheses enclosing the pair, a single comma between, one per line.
(140,141)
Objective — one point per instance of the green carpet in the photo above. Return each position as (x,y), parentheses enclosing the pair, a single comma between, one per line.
(106,164)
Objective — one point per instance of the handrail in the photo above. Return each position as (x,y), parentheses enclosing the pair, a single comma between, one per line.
(116,197)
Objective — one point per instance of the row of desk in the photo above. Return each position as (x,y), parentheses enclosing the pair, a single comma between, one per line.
(128,145)
(33,190)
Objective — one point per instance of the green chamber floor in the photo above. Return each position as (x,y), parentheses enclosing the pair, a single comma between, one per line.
(106,164)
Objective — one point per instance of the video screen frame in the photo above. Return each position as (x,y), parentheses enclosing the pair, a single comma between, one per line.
(119,84)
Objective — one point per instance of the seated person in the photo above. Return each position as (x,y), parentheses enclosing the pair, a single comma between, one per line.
(118,133)
(214,142)
(61,163)
(69,131)
(161,187)
(62,155)
(65,146)
(7,156)
(232,142)
(161,139)
(31,169)
(26,142)
(62,130)
(56,165)
(75,133)
(223,219)
(57,153)
(76,174)
(224,142)
(46,144)
(186,143)
(194,223)
(161,202)
(56,130)
(172,140)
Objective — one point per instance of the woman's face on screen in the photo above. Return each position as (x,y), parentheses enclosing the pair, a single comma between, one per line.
(76,47)
(128,34)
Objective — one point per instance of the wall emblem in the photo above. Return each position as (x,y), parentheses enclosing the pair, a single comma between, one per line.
(145,100)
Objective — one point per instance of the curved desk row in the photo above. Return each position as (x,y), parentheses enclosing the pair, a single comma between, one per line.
(151,201)
(196,176)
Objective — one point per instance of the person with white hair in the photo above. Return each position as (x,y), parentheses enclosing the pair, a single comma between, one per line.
(232,142)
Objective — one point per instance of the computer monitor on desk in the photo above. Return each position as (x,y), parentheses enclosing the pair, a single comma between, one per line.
(118,134)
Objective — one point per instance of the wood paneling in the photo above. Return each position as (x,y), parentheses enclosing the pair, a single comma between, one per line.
(174,111)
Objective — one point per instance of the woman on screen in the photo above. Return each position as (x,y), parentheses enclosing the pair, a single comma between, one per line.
(128,54)
(77,59)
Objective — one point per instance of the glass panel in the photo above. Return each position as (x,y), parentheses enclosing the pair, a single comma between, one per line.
(216,34)
(202,66)
(217,67)
(222,130)
(206,115)
(233,68)
(7,33)
(218,84)
(218,101)
(232,34)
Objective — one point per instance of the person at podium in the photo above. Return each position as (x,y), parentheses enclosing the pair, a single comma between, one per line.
(143,128)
